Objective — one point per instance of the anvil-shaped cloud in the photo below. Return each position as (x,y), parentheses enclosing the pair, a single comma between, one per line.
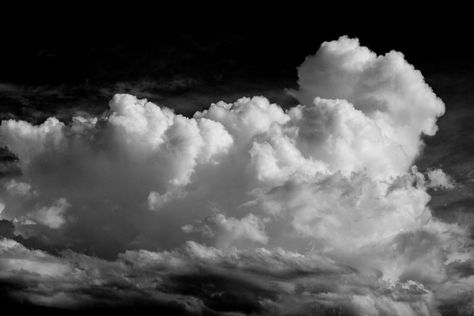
(245,207)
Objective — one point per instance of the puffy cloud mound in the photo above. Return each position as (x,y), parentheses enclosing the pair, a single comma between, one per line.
(391,94)
(244,207)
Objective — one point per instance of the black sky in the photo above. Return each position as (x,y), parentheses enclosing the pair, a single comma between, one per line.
(95,46)
(58,62)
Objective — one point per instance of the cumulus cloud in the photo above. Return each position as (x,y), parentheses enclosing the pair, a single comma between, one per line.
(439,180)
(391,94)
(243,207)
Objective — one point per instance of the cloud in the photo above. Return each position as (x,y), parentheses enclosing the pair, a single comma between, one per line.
(245,207)
(201,278)
(52,216)
(438,179)
(232,231)
(18,188)
(391,94)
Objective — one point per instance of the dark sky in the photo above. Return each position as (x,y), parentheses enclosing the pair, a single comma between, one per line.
(98,46)
(186,57)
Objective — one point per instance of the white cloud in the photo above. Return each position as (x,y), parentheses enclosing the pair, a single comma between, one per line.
(317,204)
(51,216)
(438,179)
(391,94)
(28,141)
(156,200)
(232,231)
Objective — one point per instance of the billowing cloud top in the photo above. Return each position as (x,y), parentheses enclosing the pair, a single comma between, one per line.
(244,207)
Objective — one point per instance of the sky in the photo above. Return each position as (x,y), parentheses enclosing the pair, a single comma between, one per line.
(241,163)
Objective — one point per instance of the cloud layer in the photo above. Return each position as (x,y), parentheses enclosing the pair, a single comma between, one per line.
(244,207)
